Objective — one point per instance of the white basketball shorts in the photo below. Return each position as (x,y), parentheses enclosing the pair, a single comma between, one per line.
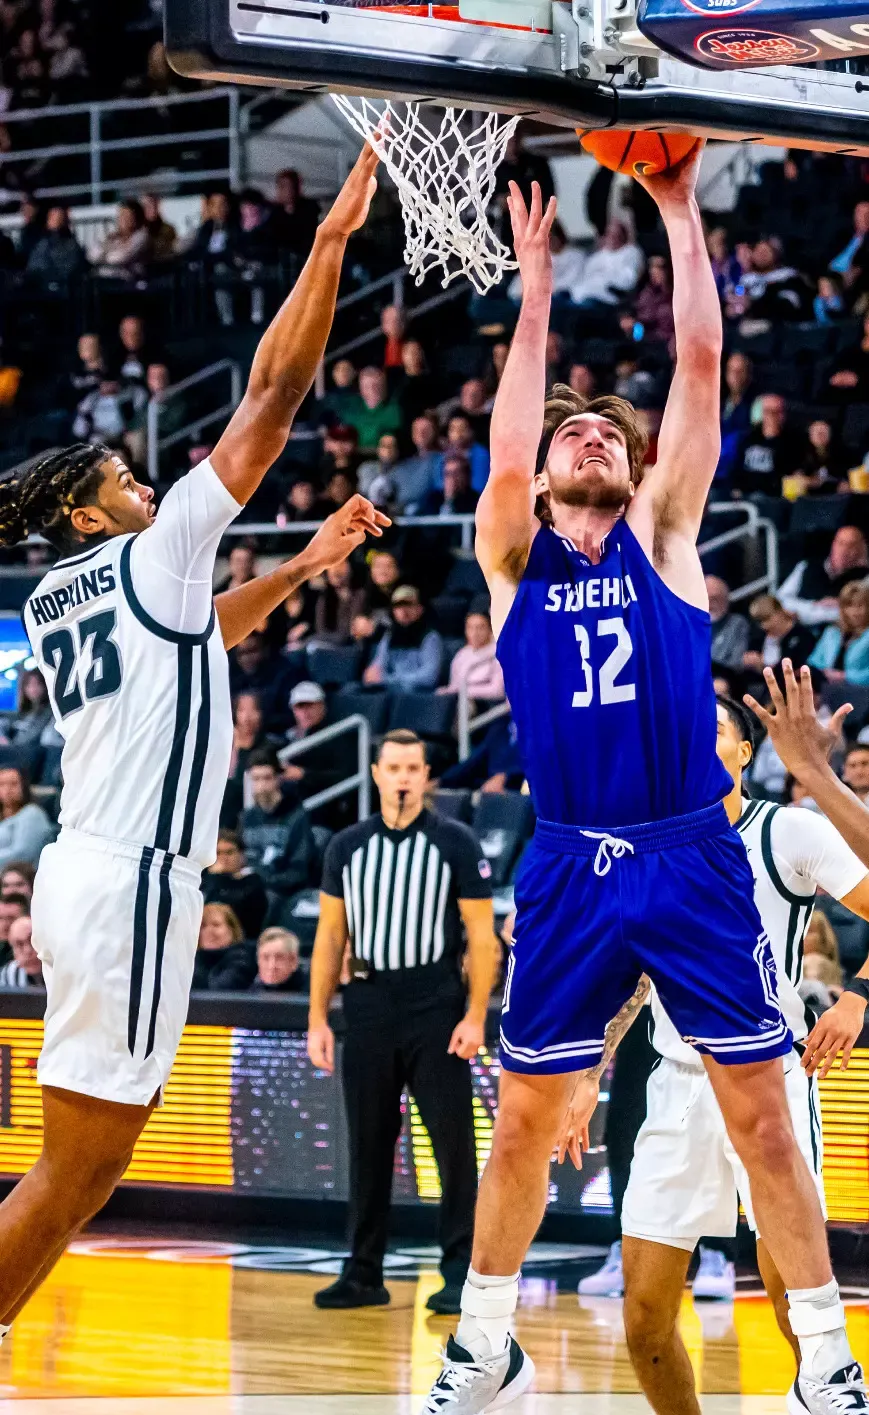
(686,1178)
(116,927)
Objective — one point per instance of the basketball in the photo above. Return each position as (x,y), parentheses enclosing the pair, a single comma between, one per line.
(636,153)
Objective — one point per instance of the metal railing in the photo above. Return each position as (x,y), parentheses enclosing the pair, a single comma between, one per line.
(156,407)
(466,725)
(96,146)
(755,529)
(308,528)
(359,782)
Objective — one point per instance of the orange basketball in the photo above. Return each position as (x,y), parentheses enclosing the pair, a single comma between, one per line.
(637,154)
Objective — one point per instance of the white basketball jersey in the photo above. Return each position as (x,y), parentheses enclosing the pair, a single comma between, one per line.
(792,852)
(144,709)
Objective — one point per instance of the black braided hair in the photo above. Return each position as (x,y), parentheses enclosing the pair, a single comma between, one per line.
(38,497)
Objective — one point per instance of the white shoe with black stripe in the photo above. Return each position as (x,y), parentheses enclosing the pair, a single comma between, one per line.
(467,1386)
(844,1393)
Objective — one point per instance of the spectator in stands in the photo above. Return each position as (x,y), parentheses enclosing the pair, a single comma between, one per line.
(568,267)
(769,452)
(162,237)
(654,303)
(32,720)
(135,353)
(57,258)
(107,414)
(842,652)
(849,381)
(12,907)
(225,961)
(783,636)
(730,631)
(278,963)
(475,668)
(24,826)
(476,405)
(811,591)
(340,452)
(384,577)
(28,72)
(89,369)
(275,830)
(460,438)
(253,670)
(611,271)
(773,289)
(341,396)
(725,266)
(456,497)
(242,567)
(825,463)
(409,656)
(232,882)
(415,389)
(828,305)
(296,615)
(392,326)
(524,168)
(325,764)
(216,239)
(493,765)
(172,416)
(338,490)
(24,970)
(257,242)
(737,399)
(32,228)
(336,603)
(17,878)
(855,771)
(373,412)
(850,262)
(303,503)
(67,71)
(126,249)
(296,216)
(375,478)
(248,734)
(415,476)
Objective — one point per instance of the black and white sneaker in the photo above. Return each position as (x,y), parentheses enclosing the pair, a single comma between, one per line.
(466,1386)
(843,1394)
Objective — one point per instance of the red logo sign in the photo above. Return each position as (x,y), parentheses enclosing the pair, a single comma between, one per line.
(750,47)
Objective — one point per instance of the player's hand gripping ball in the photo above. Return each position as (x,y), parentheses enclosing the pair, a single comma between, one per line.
(640,154)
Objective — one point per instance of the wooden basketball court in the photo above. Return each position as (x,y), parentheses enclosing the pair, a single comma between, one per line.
(135,1325)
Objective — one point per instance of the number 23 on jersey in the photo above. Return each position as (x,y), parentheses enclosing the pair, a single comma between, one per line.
(64,651)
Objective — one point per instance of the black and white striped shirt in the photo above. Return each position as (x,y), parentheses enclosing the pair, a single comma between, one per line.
(401,888)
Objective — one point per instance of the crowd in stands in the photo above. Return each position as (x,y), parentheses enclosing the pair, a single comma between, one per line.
(400,635)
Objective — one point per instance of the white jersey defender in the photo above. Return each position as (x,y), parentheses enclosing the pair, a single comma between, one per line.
(127,639)
(686,1177)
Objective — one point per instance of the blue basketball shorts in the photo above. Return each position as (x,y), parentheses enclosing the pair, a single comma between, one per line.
(596,909)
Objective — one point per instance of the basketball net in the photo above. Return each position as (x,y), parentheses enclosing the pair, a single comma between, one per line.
(445,180)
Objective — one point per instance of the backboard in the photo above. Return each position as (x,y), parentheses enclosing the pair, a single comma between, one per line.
(575,63)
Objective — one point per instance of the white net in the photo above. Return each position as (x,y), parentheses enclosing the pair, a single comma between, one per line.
(445,175)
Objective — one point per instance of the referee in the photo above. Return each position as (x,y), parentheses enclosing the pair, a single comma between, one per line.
(400,885)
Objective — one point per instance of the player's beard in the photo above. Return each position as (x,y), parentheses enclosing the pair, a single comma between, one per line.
(602,493)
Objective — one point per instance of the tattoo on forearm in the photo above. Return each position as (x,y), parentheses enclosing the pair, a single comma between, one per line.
(620,1024)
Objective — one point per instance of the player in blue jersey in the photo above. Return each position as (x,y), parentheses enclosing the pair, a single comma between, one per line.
(600,608)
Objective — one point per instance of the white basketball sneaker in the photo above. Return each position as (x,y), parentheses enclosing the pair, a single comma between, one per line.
(608,1281)
(715,1279)
(844,1393)
(467,1386)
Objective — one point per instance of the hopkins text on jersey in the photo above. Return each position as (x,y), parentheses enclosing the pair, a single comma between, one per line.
(90,584)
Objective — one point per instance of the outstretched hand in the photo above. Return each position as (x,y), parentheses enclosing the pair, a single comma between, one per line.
(676,186)
(531,228)
(803,743)
(343,531)
(350,207)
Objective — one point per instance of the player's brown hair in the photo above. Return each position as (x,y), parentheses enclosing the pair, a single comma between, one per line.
(563,403)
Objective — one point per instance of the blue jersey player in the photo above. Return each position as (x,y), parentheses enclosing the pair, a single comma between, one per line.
(599,603)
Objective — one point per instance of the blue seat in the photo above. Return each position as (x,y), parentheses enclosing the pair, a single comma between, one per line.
(454,804)
(503,821)
(333,665)
(430,715)
(373,706)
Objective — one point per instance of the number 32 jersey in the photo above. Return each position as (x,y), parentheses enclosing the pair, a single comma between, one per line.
(126,637)
(608,675)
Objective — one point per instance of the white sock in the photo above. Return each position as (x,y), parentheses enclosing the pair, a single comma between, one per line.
(488,1305)
(817,1319)
(4,1331)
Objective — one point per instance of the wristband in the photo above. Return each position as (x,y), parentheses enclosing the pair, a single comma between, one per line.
(859,986)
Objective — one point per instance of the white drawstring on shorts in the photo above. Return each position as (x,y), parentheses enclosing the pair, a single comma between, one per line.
(602,861)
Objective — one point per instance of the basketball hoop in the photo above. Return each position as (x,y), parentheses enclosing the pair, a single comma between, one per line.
(445,177)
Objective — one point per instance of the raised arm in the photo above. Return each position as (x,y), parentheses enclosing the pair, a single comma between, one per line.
(291,348)
(239,611)
(505,512)
(676,488)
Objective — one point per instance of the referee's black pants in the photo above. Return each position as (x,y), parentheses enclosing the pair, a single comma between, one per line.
(398,1029)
